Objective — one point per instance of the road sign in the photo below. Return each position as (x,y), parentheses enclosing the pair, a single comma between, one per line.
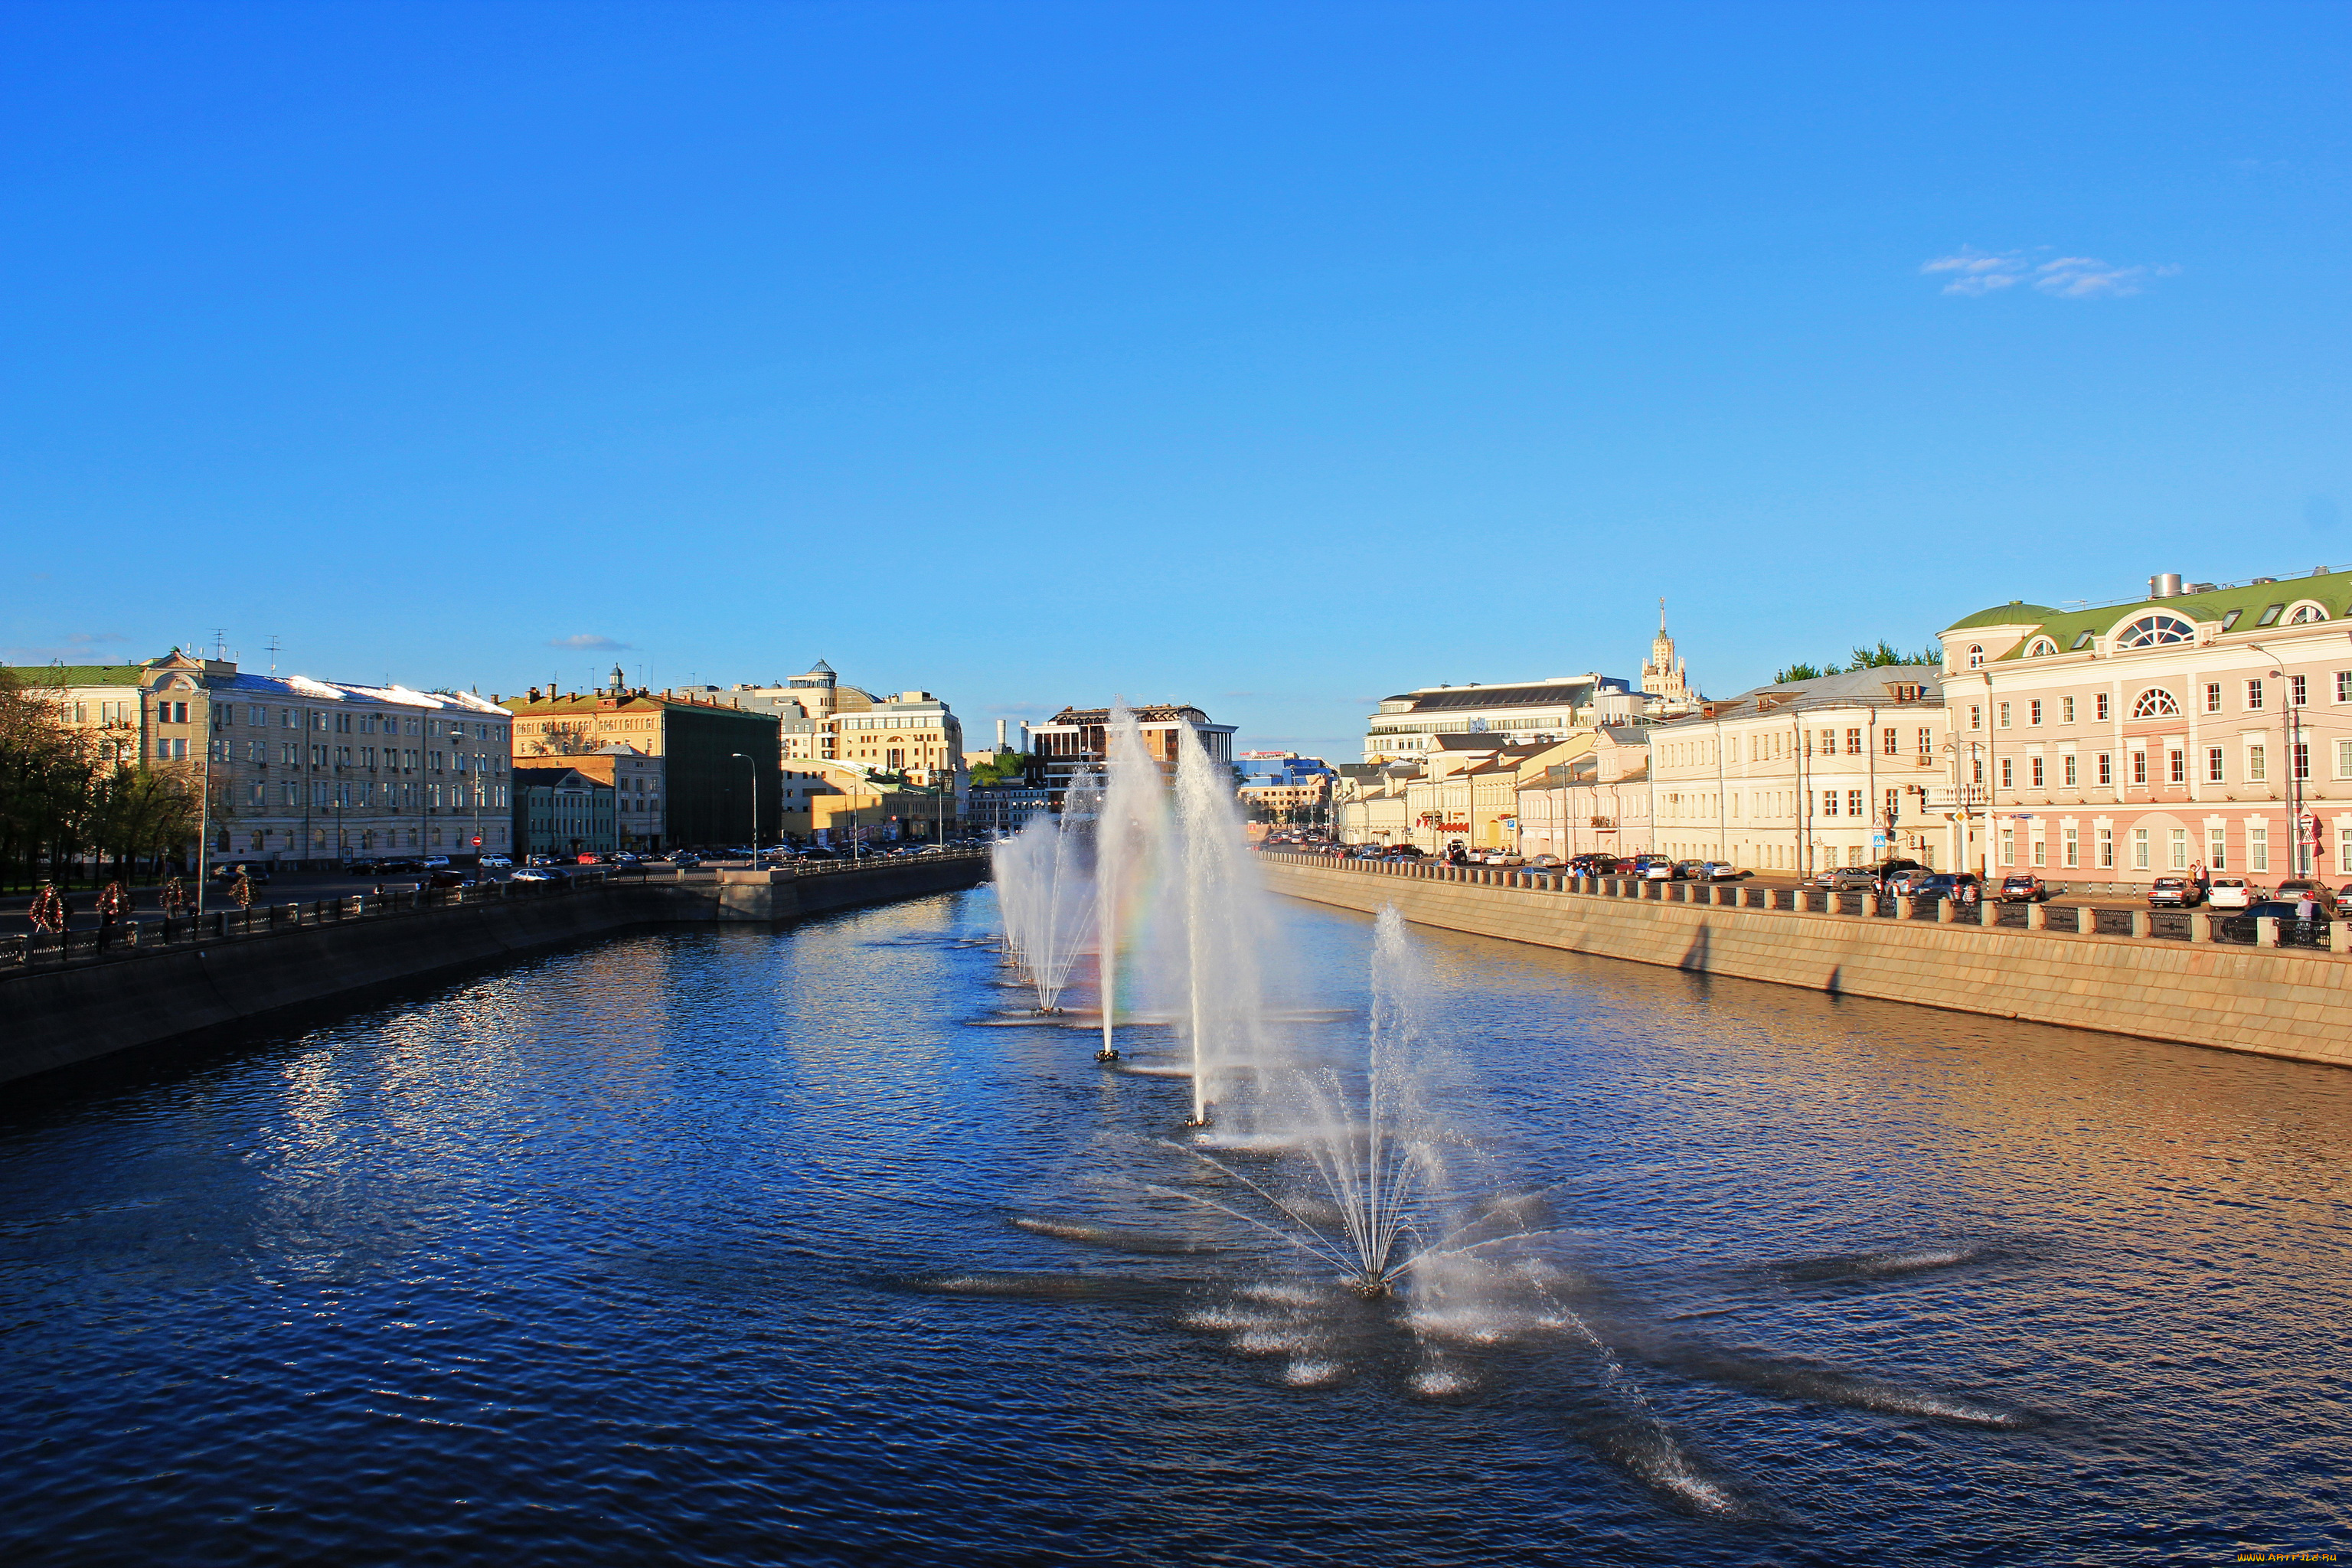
(478,841)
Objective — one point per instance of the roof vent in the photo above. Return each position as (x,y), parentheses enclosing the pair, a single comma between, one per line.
(2164,585)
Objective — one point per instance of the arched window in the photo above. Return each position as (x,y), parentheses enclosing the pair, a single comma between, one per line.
(2040,647)
(2305,613)
(1976,655)
(2156,702)
(2150,631)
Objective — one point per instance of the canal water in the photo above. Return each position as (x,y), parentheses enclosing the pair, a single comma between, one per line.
(704,1246)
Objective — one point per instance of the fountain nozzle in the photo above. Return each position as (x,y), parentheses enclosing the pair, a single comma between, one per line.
(1105,1055)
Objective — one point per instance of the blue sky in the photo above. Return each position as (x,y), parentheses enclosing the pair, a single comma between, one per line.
(1270,357)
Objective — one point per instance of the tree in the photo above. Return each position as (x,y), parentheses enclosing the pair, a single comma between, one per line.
(1007,767)
(1884,655)
(60,800)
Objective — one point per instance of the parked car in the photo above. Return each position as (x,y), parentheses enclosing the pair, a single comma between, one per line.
(1907,881)
(1890,871)
(435,862)
(2344,899)
(1543,862)
(1691,870)
(2293,888)
(1850,880)
(1719,871)
(400,867)
(684,858)
(499,861)
(1595,865)
(2242,927)
(2022,888)
(2175,893)
(2230,893)
(1658,870)
(1947,884)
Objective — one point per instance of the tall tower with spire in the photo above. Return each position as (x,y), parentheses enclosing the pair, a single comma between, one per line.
(1663,678)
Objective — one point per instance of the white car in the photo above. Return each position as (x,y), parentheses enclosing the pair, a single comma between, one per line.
(2230,893)
(433,862)
(496,861)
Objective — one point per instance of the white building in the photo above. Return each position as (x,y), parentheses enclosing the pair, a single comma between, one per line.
(1804,774)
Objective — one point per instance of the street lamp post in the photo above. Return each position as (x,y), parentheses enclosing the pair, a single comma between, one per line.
(755,801)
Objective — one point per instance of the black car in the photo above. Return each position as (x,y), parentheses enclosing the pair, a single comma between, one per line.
(2293,932)
(400,867)
(1949,885)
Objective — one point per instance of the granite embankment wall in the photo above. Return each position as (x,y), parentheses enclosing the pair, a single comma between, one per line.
(2272,1002)
(60,1015)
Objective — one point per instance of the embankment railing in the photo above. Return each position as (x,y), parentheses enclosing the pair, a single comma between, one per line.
(2317,937)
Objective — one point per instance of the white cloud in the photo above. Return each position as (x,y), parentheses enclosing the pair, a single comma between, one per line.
(1975,272)
(1972,271)
(586,640)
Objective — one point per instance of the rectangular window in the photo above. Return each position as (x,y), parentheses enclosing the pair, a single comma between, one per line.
(1853,802)
(2106,767)
(2344,686)
(2258,847)
(1828,803)
(2034,766)
(1926,743)
(2007,772)
(2257,764)
(2005,715)
(1853,742)
(2033,711)
(2009,847)
(2107,848)
(2066,710)
(2180,849)
(2212,696)
(2041,852)
(2074,846)
(2217,849)
(1976,716)
(1894,804)
(2213,764)
(1886,741)
(2344,849)
(2343,759)
(2298,690)
(2177,766)
(2139,849)
(2302,758)
(2139,767)
(2070,770)
(2254,694)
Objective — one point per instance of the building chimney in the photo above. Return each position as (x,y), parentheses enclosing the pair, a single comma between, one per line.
(2164,585)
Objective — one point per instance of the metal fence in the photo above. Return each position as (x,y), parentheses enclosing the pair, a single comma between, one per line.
(2321,935)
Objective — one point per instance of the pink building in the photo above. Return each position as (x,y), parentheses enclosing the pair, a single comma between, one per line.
(2206,728)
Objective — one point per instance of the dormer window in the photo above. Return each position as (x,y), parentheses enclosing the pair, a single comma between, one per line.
(2231,619)
(2082,639)
(2305,614)
(2270,615)
(1976,655)
(2041,648)
(2152,631)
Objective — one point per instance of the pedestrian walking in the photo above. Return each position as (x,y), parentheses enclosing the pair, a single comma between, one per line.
(174,899)
(113,905)
(2306,909)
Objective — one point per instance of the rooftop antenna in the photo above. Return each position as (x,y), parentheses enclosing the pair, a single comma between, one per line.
(220,642)
(273,653)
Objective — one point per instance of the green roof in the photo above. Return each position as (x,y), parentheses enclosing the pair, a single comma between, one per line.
(77,674)
(2016,613)
(2245,607)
